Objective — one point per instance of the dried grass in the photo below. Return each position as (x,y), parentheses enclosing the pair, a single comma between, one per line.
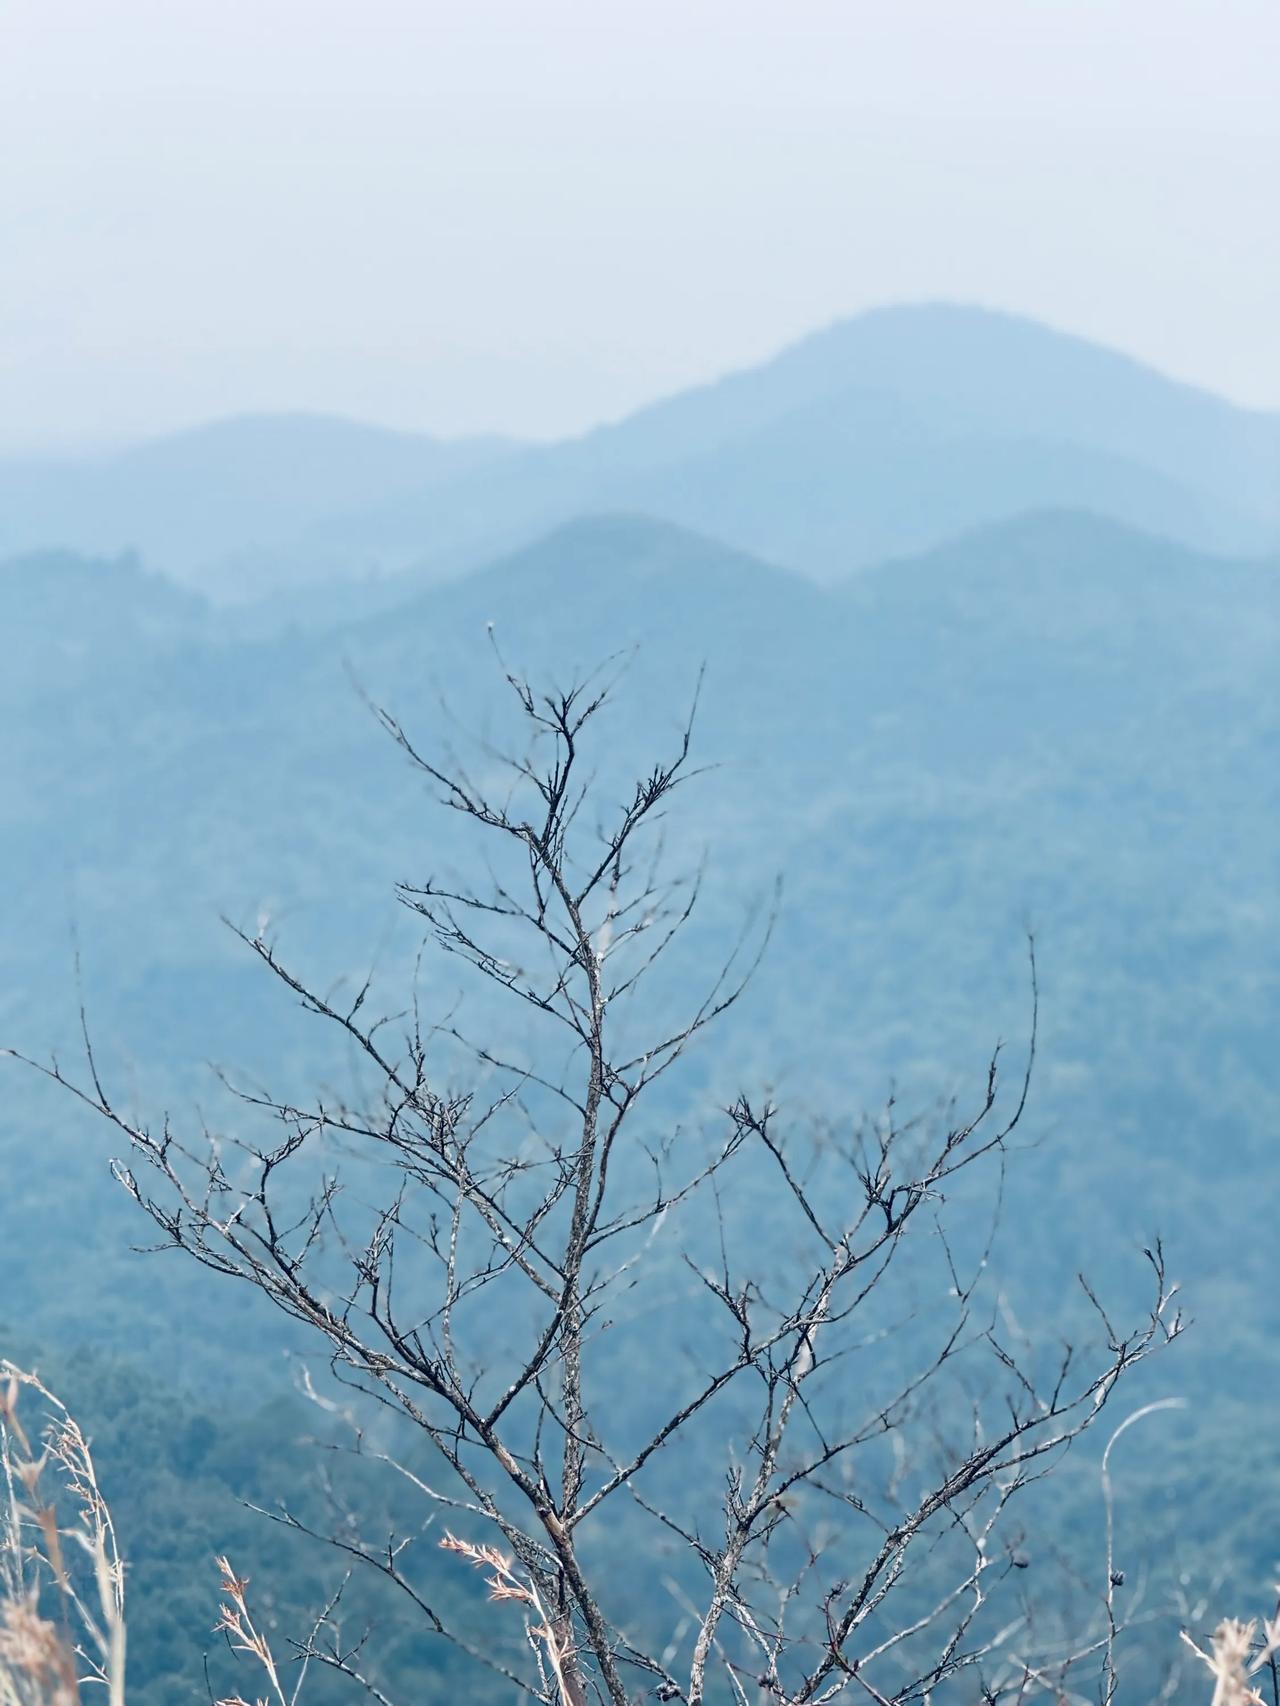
(1237,1653)
(62,1622)
(236,1623)
(62,1611)
(549,1638)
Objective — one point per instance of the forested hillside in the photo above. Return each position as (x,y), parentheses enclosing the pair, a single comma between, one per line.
(953,692)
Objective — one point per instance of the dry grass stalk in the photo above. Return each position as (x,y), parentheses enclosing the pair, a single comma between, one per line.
(1237,1653)
(50,1652)
(236,1623)
(547,1636)
(46,1659)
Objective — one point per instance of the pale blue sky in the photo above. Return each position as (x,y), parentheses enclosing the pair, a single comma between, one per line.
(529,216)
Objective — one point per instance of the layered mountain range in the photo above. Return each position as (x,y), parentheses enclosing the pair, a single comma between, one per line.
(988,626)
(882,435)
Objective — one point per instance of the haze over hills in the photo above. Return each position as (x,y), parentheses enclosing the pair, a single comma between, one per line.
(1054,720)
(969,665)
(195,501)
(890,431)
(883,435)
(931,752)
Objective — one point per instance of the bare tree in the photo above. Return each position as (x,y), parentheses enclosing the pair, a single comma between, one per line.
(470,1245)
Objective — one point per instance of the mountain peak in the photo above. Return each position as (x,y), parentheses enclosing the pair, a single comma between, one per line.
(627,544)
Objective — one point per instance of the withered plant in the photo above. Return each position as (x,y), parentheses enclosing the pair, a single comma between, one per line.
(62,1626)
(750,1369)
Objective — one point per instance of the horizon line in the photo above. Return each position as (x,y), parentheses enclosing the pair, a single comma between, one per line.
(106,445)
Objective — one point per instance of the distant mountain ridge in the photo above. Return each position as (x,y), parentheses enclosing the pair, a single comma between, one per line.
(1001,368)
(882,435)
(249,484)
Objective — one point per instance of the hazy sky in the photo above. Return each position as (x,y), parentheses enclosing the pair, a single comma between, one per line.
(531,214)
